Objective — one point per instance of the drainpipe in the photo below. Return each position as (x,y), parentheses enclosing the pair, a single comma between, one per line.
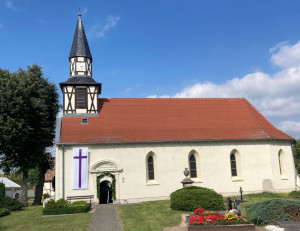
(63,171)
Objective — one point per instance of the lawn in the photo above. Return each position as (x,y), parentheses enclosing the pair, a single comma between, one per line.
(148,216)
(31,219)
(156,215)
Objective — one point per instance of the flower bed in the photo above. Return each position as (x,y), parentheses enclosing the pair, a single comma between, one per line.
(206,220)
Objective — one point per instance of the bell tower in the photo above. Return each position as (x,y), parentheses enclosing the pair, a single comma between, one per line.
(80,91)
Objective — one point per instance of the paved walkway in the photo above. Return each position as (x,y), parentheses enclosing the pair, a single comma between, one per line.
(105,218)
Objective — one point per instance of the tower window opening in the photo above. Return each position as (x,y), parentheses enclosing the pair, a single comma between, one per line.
(81,98)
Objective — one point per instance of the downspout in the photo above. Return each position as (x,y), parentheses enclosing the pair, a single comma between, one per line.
(63,171)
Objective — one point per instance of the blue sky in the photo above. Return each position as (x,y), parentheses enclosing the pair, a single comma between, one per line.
(168,48)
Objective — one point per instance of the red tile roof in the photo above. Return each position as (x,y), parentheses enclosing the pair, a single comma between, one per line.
(146,119)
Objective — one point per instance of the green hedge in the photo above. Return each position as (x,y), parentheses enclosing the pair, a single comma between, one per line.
(4,212)
(10,204)
(60,207)
(295,195)
(269,211)
(191,198)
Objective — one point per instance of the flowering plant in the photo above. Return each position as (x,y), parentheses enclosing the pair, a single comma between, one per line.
(202,217)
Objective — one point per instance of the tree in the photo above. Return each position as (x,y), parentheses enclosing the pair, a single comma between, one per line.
(28,108)
(43,168)
(296,150)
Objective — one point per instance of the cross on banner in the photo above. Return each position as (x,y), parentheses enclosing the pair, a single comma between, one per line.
(80,168)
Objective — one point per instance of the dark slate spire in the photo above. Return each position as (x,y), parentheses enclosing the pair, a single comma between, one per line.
(80,46)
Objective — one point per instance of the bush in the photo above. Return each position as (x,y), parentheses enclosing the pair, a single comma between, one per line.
(269,211)
(61,203)
(78,203)
(295,195)
(10,204)
(2,190)
(57,211)
(191,198)
(46,195)
(63,207)
(4,212)
(50,204)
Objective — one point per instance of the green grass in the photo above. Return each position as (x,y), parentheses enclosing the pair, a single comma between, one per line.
(156,215)
(31,219)
(148,216)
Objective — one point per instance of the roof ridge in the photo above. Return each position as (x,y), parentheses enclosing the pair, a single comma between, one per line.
(269,123)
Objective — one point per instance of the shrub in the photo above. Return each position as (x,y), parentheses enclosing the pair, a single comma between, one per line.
(61,203)
(46,195)
(4,212)
(295,195)
(265,212)
(57,211)
(10,204)
(78,203)
(190,198)
(82,209)
(50,204)
(2,190)
(63,207)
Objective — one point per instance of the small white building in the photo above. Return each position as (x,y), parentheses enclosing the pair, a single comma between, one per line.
(12,189)
(131,150)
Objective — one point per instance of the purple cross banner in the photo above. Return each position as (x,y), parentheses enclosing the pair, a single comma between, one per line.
(80,168)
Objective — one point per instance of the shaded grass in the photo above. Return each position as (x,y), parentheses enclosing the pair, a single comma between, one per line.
(30,218)
(148,216)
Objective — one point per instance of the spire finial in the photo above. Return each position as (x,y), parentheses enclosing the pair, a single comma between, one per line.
(79,14)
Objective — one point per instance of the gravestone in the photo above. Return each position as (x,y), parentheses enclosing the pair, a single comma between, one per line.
(237,205)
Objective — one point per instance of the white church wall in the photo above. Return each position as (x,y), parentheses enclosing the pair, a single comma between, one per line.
(257,168)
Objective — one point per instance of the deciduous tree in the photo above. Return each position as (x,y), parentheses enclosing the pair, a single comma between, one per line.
(28,108)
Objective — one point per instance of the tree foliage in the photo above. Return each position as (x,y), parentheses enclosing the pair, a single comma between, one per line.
(296,150)
(28,108)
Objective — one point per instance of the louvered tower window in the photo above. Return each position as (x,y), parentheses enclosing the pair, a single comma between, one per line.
(150,168)
(193,168)
(81,98)
(233,165)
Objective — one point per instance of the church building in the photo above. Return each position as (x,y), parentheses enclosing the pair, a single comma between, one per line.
(126,150)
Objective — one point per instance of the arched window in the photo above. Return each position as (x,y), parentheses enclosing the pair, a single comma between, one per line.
(150,168)
(193,166)
(233,165)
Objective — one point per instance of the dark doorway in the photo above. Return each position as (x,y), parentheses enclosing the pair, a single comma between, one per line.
(105,192)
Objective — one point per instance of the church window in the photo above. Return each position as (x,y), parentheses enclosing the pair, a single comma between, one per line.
(233,165)
(150,168)
(81,98)
(193,168)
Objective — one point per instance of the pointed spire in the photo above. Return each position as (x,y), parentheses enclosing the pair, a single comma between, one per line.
(80,46)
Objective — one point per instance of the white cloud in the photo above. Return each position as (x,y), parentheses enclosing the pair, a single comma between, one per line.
(286,55)
(290,127)
(276,96)
(99,31)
